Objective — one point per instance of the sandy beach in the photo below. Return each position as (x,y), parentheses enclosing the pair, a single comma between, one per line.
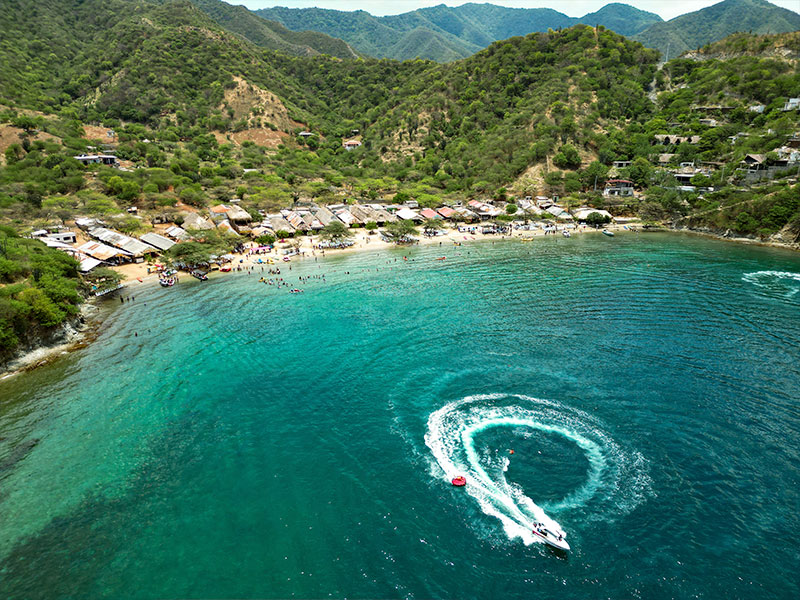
(137,273)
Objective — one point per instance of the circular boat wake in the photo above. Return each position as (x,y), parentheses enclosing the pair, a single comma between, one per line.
(615,483)
(779,283)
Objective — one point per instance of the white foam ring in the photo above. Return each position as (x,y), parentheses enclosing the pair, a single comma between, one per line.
(616,481)
(775,281)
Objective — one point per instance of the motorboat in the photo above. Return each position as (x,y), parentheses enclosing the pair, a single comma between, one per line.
(566,233)
(201,275)
(608,233)
(555,540)
(167,281)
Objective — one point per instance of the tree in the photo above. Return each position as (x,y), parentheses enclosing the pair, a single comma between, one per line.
(266,240)
(431,224)
(511,209)
(595,219)
(567,158)
(640,172)
(594,175)
(336,230)
(103,278)
(401,229)
(371,226)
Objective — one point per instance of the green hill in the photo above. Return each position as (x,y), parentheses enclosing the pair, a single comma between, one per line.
(693,30)
(196,106)
(271,34)
(621,18)
(445,33)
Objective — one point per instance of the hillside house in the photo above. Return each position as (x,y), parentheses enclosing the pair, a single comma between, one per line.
(622,164)
(97,159)
(618,187)
(754,163)
(791,104)
(351,145)
(64,237)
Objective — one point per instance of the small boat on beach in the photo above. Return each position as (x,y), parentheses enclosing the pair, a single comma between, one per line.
(566,233)
(608,233)
(166,281)
(555,540)
(201,275)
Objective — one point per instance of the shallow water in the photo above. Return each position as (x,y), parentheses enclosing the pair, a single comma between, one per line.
(253,443)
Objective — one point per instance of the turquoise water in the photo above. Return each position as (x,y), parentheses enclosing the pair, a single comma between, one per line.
(251,443)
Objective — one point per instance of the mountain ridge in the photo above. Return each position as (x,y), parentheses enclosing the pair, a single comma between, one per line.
(693,30)
(443,33)
(458,31)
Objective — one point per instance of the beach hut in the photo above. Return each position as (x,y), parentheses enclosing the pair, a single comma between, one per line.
(278,223)
(195,221)
(227,227)
(346,217)
(176,233)
(103,252)
(406,214)
(446,212)
(325,216)
(429,213)
(136,248)
(382,216)
(362,214)
(158,241)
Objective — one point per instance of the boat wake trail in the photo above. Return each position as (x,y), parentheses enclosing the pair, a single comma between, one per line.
(615,484)
(779,283)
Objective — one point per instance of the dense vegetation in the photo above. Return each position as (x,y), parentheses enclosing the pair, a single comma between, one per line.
(38,289)
(271,34)
(444,33)
(716,22)
(545,113)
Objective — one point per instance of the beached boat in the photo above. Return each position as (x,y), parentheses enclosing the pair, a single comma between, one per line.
(566,233)
(555,540)
(608,233)
(201,275)
(166,281)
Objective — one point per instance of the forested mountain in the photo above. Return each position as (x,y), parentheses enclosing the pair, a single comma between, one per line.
(194,105)
(693,30)
(445,33)
(271,34)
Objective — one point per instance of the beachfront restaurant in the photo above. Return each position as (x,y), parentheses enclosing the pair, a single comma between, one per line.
(136,248)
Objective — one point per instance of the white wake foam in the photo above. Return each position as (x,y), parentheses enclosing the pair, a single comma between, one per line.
(451,433)
(784,283)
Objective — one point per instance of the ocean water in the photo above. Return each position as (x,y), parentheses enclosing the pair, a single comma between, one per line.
(228,439)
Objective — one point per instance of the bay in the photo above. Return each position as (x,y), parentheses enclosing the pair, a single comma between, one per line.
(228,439)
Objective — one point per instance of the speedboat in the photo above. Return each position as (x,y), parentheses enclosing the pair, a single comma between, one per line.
(566,233)
(608,233)
(201,275)
(555,540)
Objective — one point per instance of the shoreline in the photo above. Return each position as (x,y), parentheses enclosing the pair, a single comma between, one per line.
(70,336)
(78,336)
(736,240)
